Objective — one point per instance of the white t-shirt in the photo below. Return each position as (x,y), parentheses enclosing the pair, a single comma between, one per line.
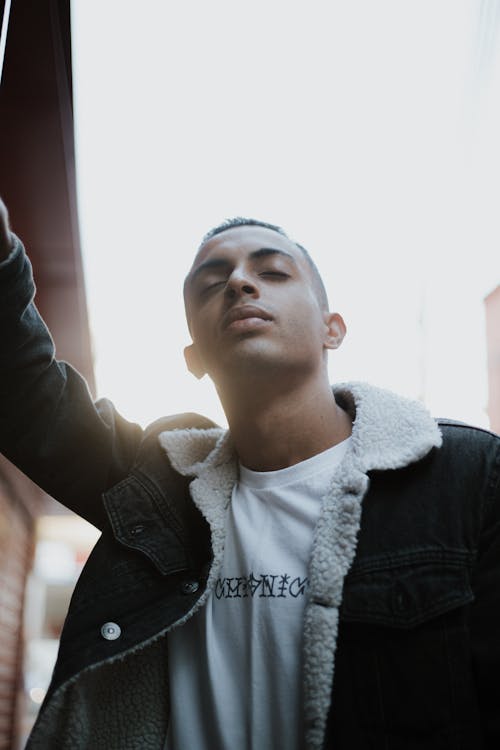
(235,666)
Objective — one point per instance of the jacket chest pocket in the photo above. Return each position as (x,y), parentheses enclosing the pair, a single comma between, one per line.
(403,660)
(138,525)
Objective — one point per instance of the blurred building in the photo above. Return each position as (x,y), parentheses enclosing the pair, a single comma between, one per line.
(492,304)
(38,186)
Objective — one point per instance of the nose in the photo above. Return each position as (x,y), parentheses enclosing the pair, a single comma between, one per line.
(239,283)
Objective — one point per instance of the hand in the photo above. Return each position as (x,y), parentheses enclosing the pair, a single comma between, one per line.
(5,239)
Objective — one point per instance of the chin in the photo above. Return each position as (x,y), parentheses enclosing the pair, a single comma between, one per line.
(252,362)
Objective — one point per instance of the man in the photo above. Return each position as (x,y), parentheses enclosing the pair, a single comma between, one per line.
(323,575)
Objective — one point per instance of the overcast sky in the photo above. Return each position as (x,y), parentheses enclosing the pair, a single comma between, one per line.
(368,130)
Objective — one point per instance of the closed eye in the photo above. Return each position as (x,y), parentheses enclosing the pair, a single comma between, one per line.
(214,285)
(279,274)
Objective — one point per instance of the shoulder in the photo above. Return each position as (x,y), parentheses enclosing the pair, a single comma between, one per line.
(188,420)
(178,422)
(469,456)
(460,434)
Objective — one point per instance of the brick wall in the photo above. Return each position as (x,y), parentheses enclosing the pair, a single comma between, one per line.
(16,552)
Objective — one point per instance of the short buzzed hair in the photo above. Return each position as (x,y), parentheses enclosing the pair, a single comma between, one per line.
(241,221)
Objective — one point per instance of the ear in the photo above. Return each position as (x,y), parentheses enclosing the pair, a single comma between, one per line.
(193,361)
(335,330)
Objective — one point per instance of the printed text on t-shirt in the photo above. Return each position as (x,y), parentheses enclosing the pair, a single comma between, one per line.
(262,585)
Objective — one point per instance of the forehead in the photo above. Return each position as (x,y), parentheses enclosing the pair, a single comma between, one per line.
(239,242)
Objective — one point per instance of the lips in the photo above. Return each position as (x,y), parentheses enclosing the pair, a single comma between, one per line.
(244,312)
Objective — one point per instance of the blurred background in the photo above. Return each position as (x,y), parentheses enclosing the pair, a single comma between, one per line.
(369,131)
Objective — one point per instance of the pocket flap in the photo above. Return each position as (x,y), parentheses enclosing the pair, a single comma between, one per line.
(403,595)
(138,524)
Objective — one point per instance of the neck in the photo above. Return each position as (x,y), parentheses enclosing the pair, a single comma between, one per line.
(273,428)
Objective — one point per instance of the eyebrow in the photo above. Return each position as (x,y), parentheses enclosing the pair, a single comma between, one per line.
(262,252)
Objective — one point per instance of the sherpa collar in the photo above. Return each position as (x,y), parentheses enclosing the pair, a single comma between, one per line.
(389,432)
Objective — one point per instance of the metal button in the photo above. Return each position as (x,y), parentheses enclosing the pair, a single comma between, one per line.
(111,631)
(137,530)
(190,587)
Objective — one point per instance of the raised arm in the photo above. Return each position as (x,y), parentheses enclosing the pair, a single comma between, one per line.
(50,427)
(5,238)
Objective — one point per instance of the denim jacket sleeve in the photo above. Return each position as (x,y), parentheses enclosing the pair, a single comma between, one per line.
(485,616)
(50,426)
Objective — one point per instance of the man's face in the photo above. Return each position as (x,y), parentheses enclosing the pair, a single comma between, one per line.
(251,303)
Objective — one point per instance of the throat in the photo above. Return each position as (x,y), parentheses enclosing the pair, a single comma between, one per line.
(288,430)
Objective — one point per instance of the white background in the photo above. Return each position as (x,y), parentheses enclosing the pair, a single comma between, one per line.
(368,130)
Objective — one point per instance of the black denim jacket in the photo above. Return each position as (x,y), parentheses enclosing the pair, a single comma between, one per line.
(418,650)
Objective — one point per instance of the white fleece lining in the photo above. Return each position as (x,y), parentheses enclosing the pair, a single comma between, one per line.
(389,432)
